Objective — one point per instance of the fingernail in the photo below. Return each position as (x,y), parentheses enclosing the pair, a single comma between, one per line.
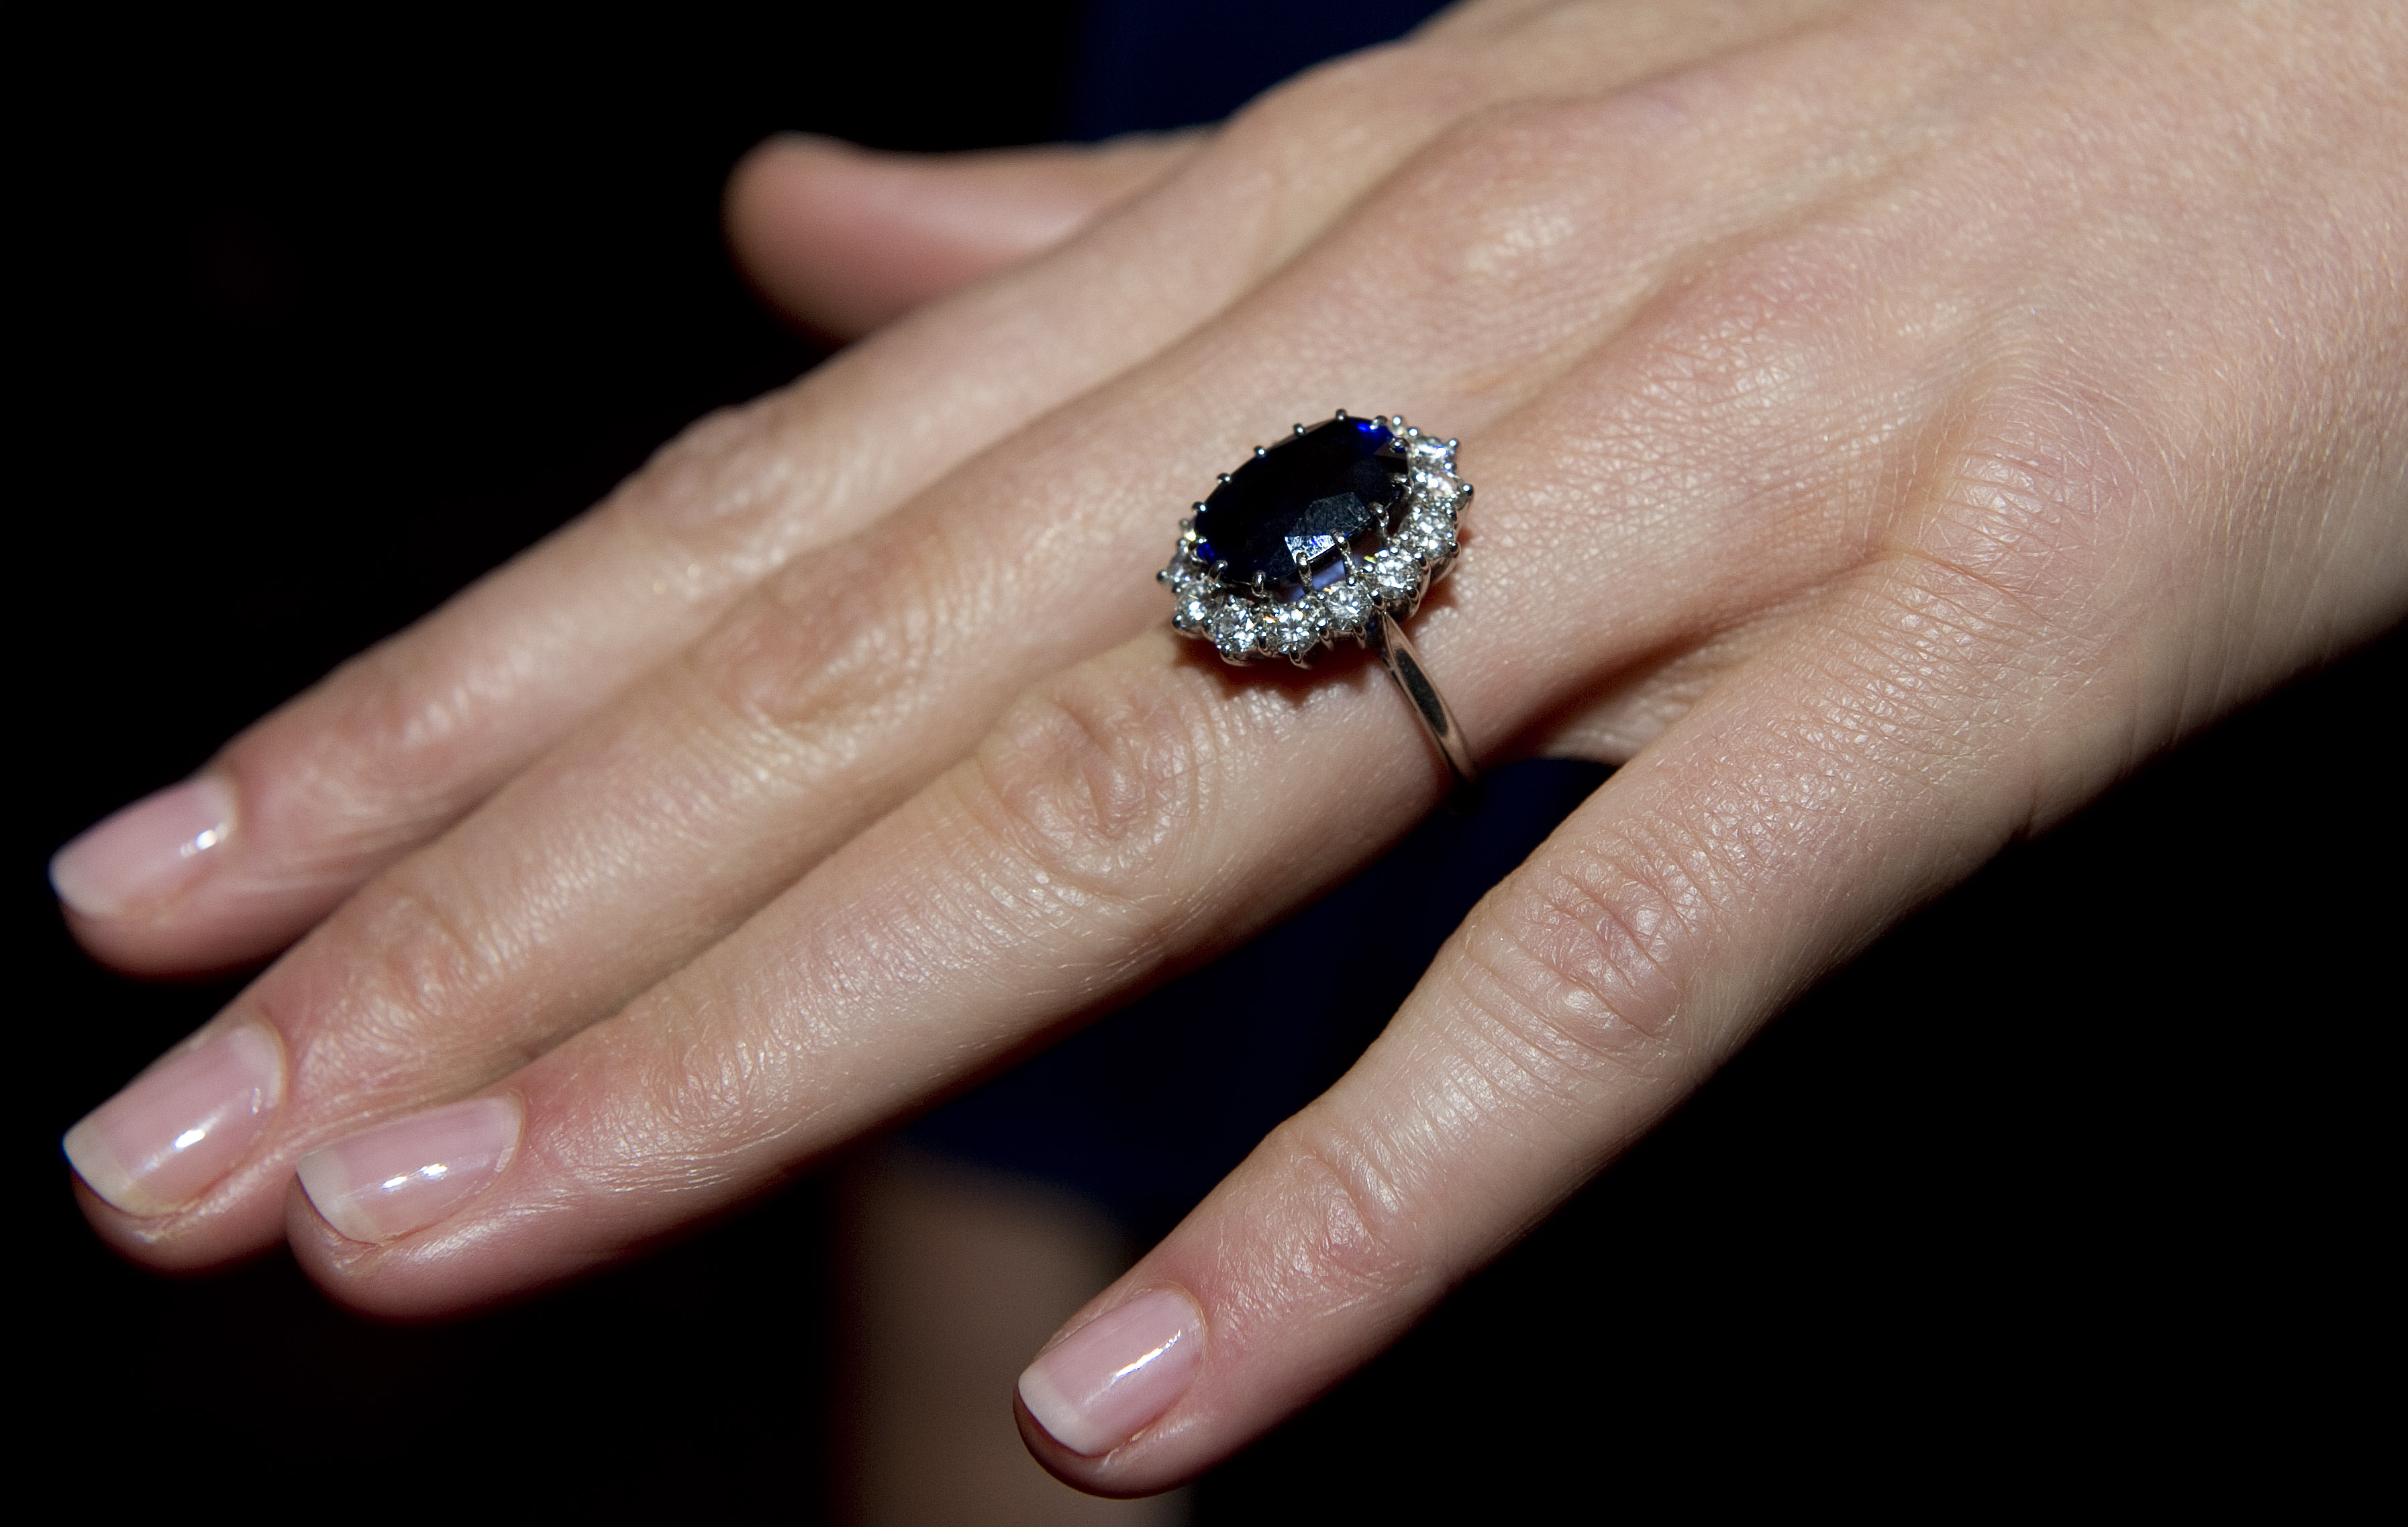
(148,851)
(383,1183)
(182,1124)
(1116,1373)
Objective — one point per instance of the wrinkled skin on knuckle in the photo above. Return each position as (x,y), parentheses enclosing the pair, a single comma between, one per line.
(700,1091)
(382,752)
(2041,555)
(1514,198)
(1097,786)
(1322,1229)
(1752,419)
(391,995)
(1295,155)
(727,499)
(1572,972)
(832,650)
(2057,476)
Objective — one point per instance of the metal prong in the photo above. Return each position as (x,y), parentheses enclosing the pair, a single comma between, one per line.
(1341,413)
(1299,429)
(1224,477)
(1260,451)
(1452,444)
(1221,568)
(1163,576)
(1262,585)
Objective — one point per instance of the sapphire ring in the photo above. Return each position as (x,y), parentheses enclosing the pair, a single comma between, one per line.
(1336,532)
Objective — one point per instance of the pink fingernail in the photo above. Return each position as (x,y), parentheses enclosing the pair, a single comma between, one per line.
(383,1183)
(148,851)
(182,1124)
(1116,1373)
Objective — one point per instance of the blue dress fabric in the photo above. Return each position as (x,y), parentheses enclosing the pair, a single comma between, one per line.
(1146,67)
(1145,1110)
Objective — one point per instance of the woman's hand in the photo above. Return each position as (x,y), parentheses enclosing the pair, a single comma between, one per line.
(1892,422)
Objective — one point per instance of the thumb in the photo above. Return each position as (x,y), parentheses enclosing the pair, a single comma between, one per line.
(843,239)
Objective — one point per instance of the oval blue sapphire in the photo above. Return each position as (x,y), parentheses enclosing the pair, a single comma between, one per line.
(1284,514)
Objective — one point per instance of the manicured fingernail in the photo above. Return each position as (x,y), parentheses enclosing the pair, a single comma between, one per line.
(1116,1373)
(148,851)
(383,1183)
(182,1124)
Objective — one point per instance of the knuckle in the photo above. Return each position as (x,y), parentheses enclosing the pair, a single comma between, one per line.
(671,1100)
(703,1089)
(831,647)
(397,997)
(1514,209)
(708,492)
(372,760)
(2011,570)
(1335,1227)
(1332,95)
(1097,781)
(2036,496)
(1741,395)
(1571,969)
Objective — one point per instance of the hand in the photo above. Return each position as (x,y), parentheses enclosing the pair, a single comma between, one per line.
(1890,424)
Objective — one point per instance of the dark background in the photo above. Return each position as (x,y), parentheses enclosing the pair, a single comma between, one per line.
(2081,1169)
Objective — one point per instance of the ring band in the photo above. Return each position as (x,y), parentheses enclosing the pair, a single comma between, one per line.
(1387,638)
(1338,531)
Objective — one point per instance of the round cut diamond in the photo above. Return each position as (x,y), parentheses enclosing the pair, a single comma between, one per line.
(1431,534)
(1396,573)
(1194,609)
(1284,515)
(1232,627)
(1349,604)
(1294,628)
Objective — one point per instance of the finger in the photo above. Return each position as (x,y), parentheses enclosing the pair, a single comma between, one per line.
(1105,834)
(398,743)
(844,239)
(393,747)
(1871,757)
(1755,844)
(1994,664)
(856,674)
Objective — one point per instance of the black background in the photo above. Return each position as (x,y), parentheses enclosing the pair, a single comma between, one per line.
(2078,1170)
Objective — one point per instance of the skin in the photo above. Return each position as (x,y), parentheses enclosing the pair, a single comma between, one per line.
(1892,425)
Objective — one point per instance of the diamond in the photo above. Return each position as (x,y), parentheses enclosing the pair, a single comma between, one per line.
(1396,573)
(1233,628)
(1430,533)
(1349,604)
(1195,607)
(1296,627)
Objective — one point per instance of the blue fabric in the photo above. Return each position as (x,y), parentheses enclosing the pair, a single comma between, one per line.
(1150,65)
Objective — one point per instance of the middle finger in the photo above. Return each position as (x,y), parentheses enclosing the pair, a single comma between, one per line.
(849,681)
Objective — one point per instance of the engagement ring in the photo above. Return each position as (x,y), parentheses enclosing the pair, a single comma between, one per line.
(1338,531)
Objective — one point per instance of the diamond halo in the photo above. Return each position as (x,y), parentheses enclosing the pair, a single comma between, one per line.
(1342,567)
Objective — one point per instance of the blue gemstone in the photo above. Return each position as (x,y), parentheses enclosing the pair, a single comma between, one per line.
(1285,513)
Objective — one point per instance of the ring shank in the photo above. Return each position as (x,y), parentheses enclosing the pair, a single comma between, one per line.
(1387,638)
